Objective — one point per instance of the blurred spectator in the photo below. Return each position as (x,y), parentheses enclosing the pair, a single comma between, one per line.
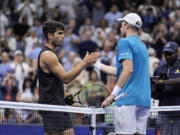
(175,13)
(5,63)
(176,34)
(72,24)
(34,53)
(38,29)
(87,45)
(81,11)
(172,21)
(11,41)
(116,28)
(20,67)
(3,23)
(149,15)
(86,26)
(144,8)
(9,116)
(28,93)
(4,45)
(20,30)
(172,4)
(98,11)
(2,119)
(161,36)
(38,2)
(49,12)
(70,41)
(30,39)
(149,20)
(113,15)
(154,62)
(52,3)
(26,8)
(113,38)
(99,37)
(146,38)
(9,86)
(168,90)
(67,61)
(103,25)
(66,7)
(28,116)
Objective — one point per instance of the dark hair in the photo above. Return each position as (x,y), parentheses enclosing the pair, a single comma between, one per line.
(51,27)
(24,84)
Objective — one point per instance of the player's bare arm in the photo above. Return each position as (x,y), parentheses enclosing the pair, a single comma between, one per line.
(126,72)
(49,63)
(105,68)
(109,69)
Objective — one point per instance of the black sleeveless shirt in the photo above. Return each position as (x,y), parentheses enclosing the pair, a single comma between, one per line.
(51,88)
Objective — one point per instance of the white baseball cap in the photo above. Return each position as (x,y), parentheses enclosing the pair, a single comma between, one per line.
(18,52)
(133,19)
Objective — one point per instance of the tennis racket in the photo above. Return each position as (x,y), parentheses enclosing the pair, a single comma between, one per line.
(88,95)
(91,94)
(70,99)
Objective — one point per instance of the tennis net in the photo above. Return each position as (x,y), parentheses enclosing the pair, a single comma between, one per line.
(17,118)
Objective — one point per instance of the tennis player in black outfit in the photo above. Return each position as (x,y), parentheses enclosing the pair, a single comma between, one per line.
(52,75)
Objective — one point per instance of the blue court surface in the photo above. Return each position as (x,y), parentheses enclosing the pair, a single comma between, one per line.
(36,129)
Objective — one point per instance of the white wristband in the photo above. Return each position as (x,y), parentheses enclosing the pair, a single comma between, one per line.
(116,90)
(98,65)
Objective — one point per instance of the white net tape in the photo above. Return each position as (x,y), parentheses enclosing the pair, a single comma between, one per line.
(85,120)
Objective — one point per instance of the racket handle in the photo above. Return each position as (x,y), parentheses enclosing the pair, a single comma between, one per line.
(69,100)
(119,96)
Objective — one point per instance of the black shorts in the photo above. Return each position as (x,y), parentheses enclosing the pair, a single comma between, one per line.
(56,121)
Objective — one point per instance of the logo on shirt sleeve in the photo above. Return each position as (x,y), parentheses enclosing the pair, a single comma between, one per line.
(124,54)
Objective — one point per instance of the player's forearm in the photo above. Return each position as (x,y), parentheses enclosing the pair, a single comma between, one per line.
(109,69)
(105,68)
(70,75)
(124,77)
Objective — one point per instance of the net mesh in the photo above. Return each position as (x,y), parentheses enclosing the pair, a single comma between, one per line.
(37,119)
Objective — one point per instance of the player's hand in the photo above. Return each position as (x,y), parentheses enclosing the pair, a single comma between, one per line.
(91,58)
(69,98)
(107,101)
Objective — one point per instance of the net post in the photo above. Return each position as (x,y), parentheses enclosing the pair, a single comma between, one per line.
(93,124)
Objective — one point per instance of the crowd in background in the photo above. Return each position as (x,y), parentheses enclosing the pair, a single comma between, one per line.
(90,26)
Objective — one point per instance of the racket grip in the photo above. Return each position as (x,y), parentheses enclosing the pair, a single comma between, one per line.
(69,100)
(119,96)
